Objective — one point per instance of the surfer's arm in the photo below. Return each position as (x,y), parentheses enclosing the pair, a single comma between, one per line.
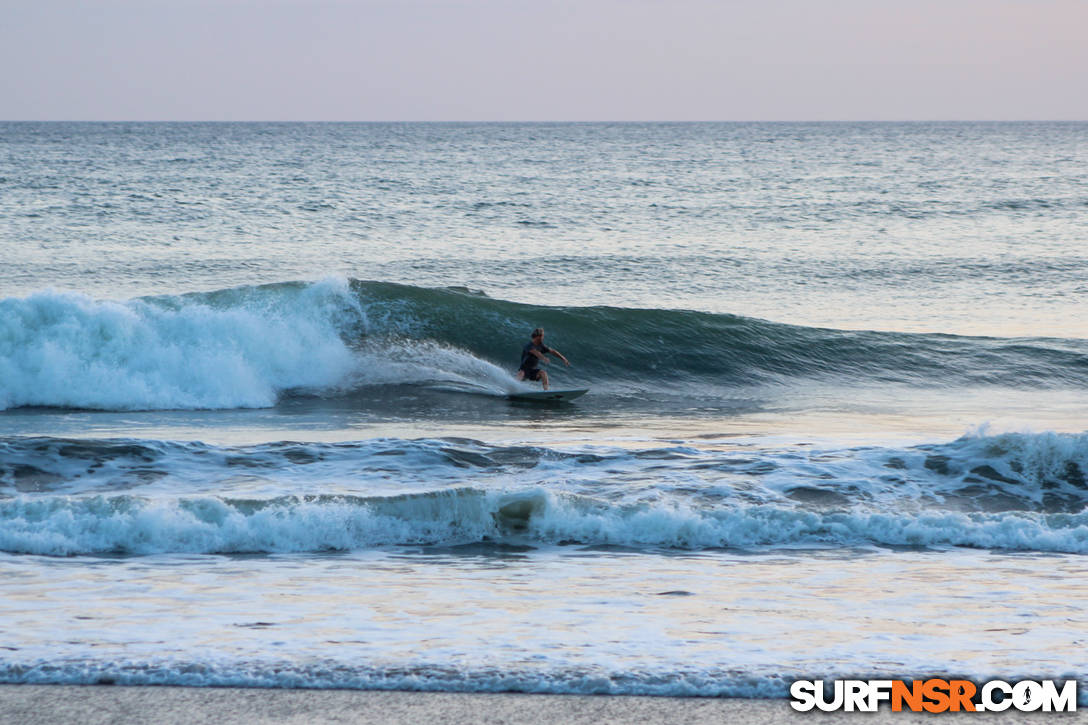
(559,355)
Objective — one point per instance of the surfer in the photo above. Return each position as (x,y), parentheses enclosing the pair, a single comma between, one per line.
(534,353)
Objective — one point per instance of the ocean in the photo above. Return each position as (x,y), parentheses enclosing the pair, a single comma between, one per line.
(254,428)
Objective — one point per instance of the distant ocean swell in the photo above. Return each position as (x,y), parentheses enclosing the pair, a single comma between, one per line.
(248,347)
(1013,491)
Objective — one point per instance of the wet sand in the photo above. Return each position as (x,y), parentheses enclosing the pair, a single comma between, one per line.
(90,705)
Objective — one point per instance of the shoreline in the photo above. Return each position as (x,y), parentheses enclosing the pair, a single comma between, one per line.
(165,705)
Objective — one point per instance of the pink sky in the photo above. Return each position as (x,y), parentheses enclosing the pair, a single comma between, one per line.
(510,60)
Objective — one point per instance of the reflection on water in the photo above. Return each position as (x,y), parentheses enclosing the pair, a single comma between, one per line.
(548,613)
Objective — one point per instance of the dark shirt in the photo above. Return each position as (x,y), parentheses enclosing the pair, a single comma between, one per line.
(529,361)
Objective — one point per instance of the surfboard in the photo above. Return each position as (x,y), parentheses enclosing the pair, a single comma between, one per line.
(549,396)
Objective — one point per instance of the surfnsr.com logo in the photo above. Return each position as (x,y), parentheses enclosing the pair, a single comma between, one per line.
(935,695)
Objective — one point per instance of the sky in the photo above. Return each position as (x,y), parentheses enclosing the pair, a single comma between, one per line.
(543,60)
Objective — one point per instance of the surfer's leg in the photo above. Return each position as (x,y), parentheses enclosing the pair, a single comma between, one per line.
(520,375)
(544,379)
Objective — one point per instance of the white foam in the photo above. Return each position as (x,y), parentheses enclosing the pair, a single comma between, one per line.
(423,678)
(62,526)
(430,363)
(233,349)
(65,349)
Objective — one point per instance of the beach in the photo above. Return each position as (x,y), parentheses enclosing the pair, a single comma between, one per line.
(45,705)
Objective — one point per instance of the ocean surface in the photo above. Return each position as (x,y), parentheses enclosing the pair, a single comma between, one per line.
(254,427)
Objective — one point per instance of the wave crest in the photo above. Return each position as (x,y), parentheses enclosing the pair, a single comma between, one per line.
(247,347)
(65,526)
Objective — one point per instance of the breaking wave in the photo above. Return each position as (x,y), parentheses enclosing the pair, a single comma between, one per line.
(248,347)
(1012,491)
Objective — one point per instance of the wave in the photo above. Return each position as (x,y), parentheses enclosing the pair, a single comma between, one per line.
(133,525)
(586,680)
(1032,472)
(249,347)
(1011,491)
(737,682)
(66,350)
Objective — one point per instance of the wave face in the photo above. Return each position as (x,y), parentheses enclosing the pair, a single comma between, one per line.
(248,347)
(1013,491)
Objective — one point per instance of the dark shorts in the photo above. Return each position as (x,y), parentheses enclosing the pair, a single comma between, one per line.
(533,374)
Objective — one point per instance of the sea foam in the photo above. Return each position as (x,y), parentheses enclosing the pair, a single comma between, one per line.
(133,525)
(67,350)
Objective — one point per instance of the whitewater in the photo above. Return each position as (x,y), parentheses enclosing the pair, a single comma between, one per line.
(254,428)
